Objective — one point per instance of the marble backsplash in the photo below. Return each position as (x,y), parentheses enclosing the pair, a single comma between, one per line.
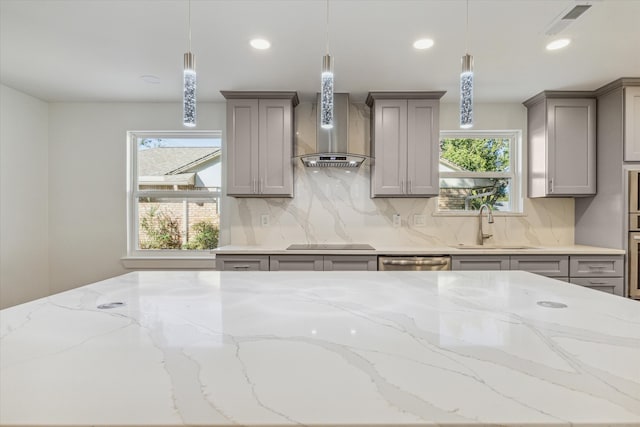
(333,205)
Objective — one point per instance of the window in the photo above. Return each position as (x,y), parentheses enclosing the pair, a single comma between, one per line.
(479,167)
(174,185)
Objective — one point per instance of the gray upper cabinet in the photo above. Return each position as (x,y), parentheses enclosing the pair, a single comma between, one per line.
(562,144)
(259,143)
(405,131)
(632,124)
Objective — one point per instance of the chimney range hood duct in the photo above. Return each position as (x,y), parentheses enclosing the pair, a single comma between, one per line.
(332,145)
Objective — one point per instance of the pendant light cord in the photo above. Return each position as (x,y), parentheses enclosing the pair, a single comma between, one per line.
(327,27)
(467,29)
(189,25)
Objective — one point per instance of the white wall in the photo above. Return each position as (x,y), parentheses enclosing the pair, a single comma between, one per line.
(88,181)
(24,242)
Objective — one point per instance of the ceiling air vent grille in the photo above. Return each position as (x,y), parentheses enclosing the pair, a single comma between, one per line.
(560,24)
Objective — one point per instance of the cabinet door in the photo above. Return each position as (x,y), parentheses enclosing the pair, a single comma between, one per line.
(275,148)
(571,139)
(423,154)
(350,263)
(480,262)
(632,124)
(295,263)
(611,285)
(242,146)
(242,262)
(545,265)
(389,169)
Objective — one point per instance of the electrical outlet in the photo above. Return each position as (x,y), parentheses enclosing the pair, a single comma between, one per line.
(419,220)
(264,220)
(397,220)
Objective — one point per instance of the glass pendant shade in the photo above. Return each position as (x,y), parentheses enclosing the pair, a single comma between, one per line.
(466,92)
(189,91)
(326,94)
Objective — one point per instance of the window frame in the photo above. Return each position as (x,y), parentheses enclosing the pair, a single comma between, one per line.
(515,174)
(133,194)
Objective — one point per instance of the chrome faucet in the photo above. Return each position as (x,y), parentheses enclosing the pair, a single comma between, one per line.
(482,234)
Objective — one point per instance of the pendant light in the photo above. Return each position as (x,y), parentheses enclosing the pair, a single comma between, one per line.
(189,84)
(326,90)
(466,85)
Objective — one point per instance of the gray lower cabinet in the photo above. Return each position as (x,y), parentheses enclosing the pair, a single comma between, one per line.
(242,262)
(600,272)
(296,262)
(562,144)
(405,143)
(259,143)
(350,263)
(556,266)
(480,262)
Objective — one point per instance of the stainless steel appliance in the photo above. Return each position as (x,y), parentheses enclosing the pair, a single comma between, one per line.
(431,263)
(634,234)
(331,247)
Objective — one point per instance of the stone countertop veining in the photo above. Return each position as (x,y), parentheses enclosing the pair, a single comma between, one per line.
(417,251)
(322,349)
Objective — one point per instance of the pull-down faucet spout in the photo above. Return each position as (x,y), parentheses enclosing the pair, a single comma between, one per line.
(482,236)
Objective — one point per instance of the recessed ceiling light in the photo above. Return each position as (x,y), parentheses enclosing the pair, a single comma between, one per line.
(558,44)
(151,79)
(423,44)
(261,44)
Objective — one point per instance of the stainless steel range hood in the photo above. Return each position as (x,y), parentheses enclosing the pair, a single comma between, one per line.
(332,145)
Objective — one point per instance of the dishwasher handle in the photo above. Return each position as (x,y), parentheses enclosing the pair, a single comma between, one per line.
(414,262)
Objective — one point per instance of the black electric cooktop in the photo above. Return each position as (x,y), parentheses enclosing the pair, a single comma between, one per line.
(332,247)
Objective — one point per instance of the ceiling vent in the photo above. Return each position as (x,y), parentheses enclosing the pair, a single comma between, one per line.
(559,24)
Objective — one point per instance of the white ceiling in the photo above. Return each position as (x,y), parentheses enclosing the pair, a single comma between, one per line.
(96,50)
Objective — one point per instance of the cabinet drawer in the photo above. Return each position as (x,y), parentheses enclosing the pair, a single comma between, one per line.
(242,263)
(480,262)
(611,285)
(350,263)
(597,266)
(295,263)
(545,265)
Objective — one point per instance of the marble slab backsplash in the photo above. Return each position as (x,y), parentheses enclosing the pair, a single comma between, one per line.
(332,205)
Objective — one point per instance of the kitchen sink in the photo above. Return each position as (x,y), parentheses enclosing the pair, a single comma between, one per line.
(494,247)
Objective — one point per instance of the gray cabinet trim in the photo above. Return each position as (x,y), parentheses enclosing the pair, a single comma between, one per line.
(291,95)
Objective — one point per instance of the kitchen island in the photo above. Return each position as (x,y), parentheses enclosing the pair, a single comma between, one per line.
(215,348)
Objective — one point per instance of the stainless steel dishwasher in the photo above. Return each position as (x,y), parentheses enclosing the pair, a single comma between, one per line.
(415,263)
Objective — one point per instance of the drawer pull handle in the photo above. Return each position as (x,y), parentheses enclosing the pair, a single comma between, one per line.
(636,237)
(408,262)
(591,282)
(597,267)
(240,267)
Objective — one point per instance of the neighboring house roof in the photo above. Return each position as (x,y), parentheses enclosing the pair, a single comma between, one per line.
(173,160)
(449,166)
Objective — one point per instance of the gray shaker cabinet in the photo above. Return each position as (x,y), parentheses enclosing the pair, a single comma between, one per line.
(562,144)
(259,143)
(479,262)
(632,124)
(405,142)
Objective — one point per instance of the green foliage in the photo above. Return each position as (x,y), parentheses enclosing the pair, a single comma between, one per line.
(476,154)
(480,155)
(206,236)
(162,231)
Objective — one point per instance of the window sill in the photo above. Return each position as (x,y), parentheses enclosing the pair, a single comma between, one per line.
(169,263)
(475,214)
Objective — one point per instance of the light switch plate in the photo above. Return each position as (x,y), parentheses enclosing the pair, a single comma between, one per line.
(397,220)
(264,220)
(419,220)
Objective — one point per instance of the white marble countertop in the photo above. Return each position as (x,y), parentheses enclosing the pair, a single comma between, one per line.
(413,250)
(322,349)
